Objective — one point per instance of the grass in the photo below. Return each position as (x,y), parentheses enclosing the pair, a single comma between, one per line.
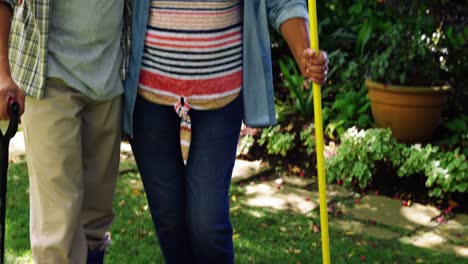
(260,235)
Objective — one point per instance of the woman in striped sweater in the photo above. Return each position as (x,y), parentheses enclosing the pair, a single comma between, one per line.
(198,69)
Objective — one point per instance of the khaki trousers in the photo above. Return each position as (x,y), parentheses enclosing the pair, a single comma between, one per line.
(73,153)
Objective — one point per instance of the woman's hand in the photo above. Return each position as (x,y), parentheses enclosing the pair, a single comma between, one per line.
(314,67)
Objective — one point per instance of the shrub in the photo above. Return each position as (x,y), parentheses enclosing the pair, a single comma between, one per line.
(447,173)
(277,142)
(355,159)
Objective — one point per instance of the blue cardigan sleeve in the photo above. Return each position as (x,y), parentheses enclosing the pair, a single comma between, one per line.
(281,10)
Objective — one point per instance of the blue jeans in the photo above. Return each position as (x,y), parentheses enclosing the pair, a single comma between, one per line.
(189,204)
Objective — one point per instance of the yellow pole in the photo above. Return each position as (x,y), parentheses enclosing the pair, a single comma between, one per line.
(314,43)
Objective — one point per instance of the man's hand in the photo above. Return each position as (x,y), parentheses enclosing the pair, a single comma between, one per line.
(9,91)
(314,66)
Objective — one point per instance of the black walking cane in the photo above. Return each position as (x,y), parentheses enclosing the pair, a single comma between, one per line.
(13,111)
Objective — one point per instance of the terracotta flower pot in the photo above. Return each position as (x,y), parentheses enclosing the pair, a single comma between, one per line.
(412,113)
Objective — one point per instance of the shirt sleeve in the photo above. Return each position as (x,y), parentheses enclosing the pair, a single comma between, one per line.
(279,11)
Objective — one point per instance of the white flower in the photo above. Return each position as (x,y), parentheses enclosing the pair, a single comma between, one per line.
(417,147)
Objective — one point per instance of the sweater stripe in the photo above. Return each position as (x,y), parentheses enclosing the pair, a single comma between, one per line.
(191,87)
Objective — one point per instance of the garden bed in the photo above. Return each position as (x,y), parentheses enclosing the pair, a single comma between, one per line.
(384,181)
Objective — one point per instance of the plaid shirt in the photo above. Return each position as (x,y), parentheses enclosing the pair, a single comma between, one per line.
(29,39)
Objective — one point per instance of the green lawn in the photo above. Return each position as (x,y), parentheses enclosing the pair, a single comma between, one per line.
(260,236)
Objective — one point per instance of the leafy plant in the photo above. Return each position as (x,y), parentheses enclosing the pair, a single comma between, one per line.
(359,150)
(355,159)
(308,138)
(349,108)
(246,144)
(416,159)
(300,91)
(283,109)
(447,173)
(277,142)
(412,51)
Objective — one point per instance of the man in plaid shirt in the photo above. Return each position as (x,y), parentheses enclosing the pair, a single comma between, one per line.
(69,58)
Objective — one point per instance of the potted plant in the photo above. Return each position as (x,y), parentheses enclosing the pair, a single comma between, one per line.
(406,75)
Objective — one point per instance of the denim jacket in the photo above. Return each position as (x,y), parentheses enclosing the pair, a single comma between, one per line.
(257,90)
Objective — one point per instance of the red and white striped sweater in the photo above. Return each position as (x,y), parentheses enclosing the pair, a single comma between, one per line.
(192,57)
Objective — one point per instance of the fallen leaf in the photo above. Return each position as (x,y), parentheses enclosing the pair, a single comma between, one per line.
(136,192)
(316,229)
(294,169)
(452,203)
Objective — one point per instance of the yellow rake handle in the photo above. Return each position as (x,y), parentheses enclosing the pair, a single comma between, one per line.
(314,43)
